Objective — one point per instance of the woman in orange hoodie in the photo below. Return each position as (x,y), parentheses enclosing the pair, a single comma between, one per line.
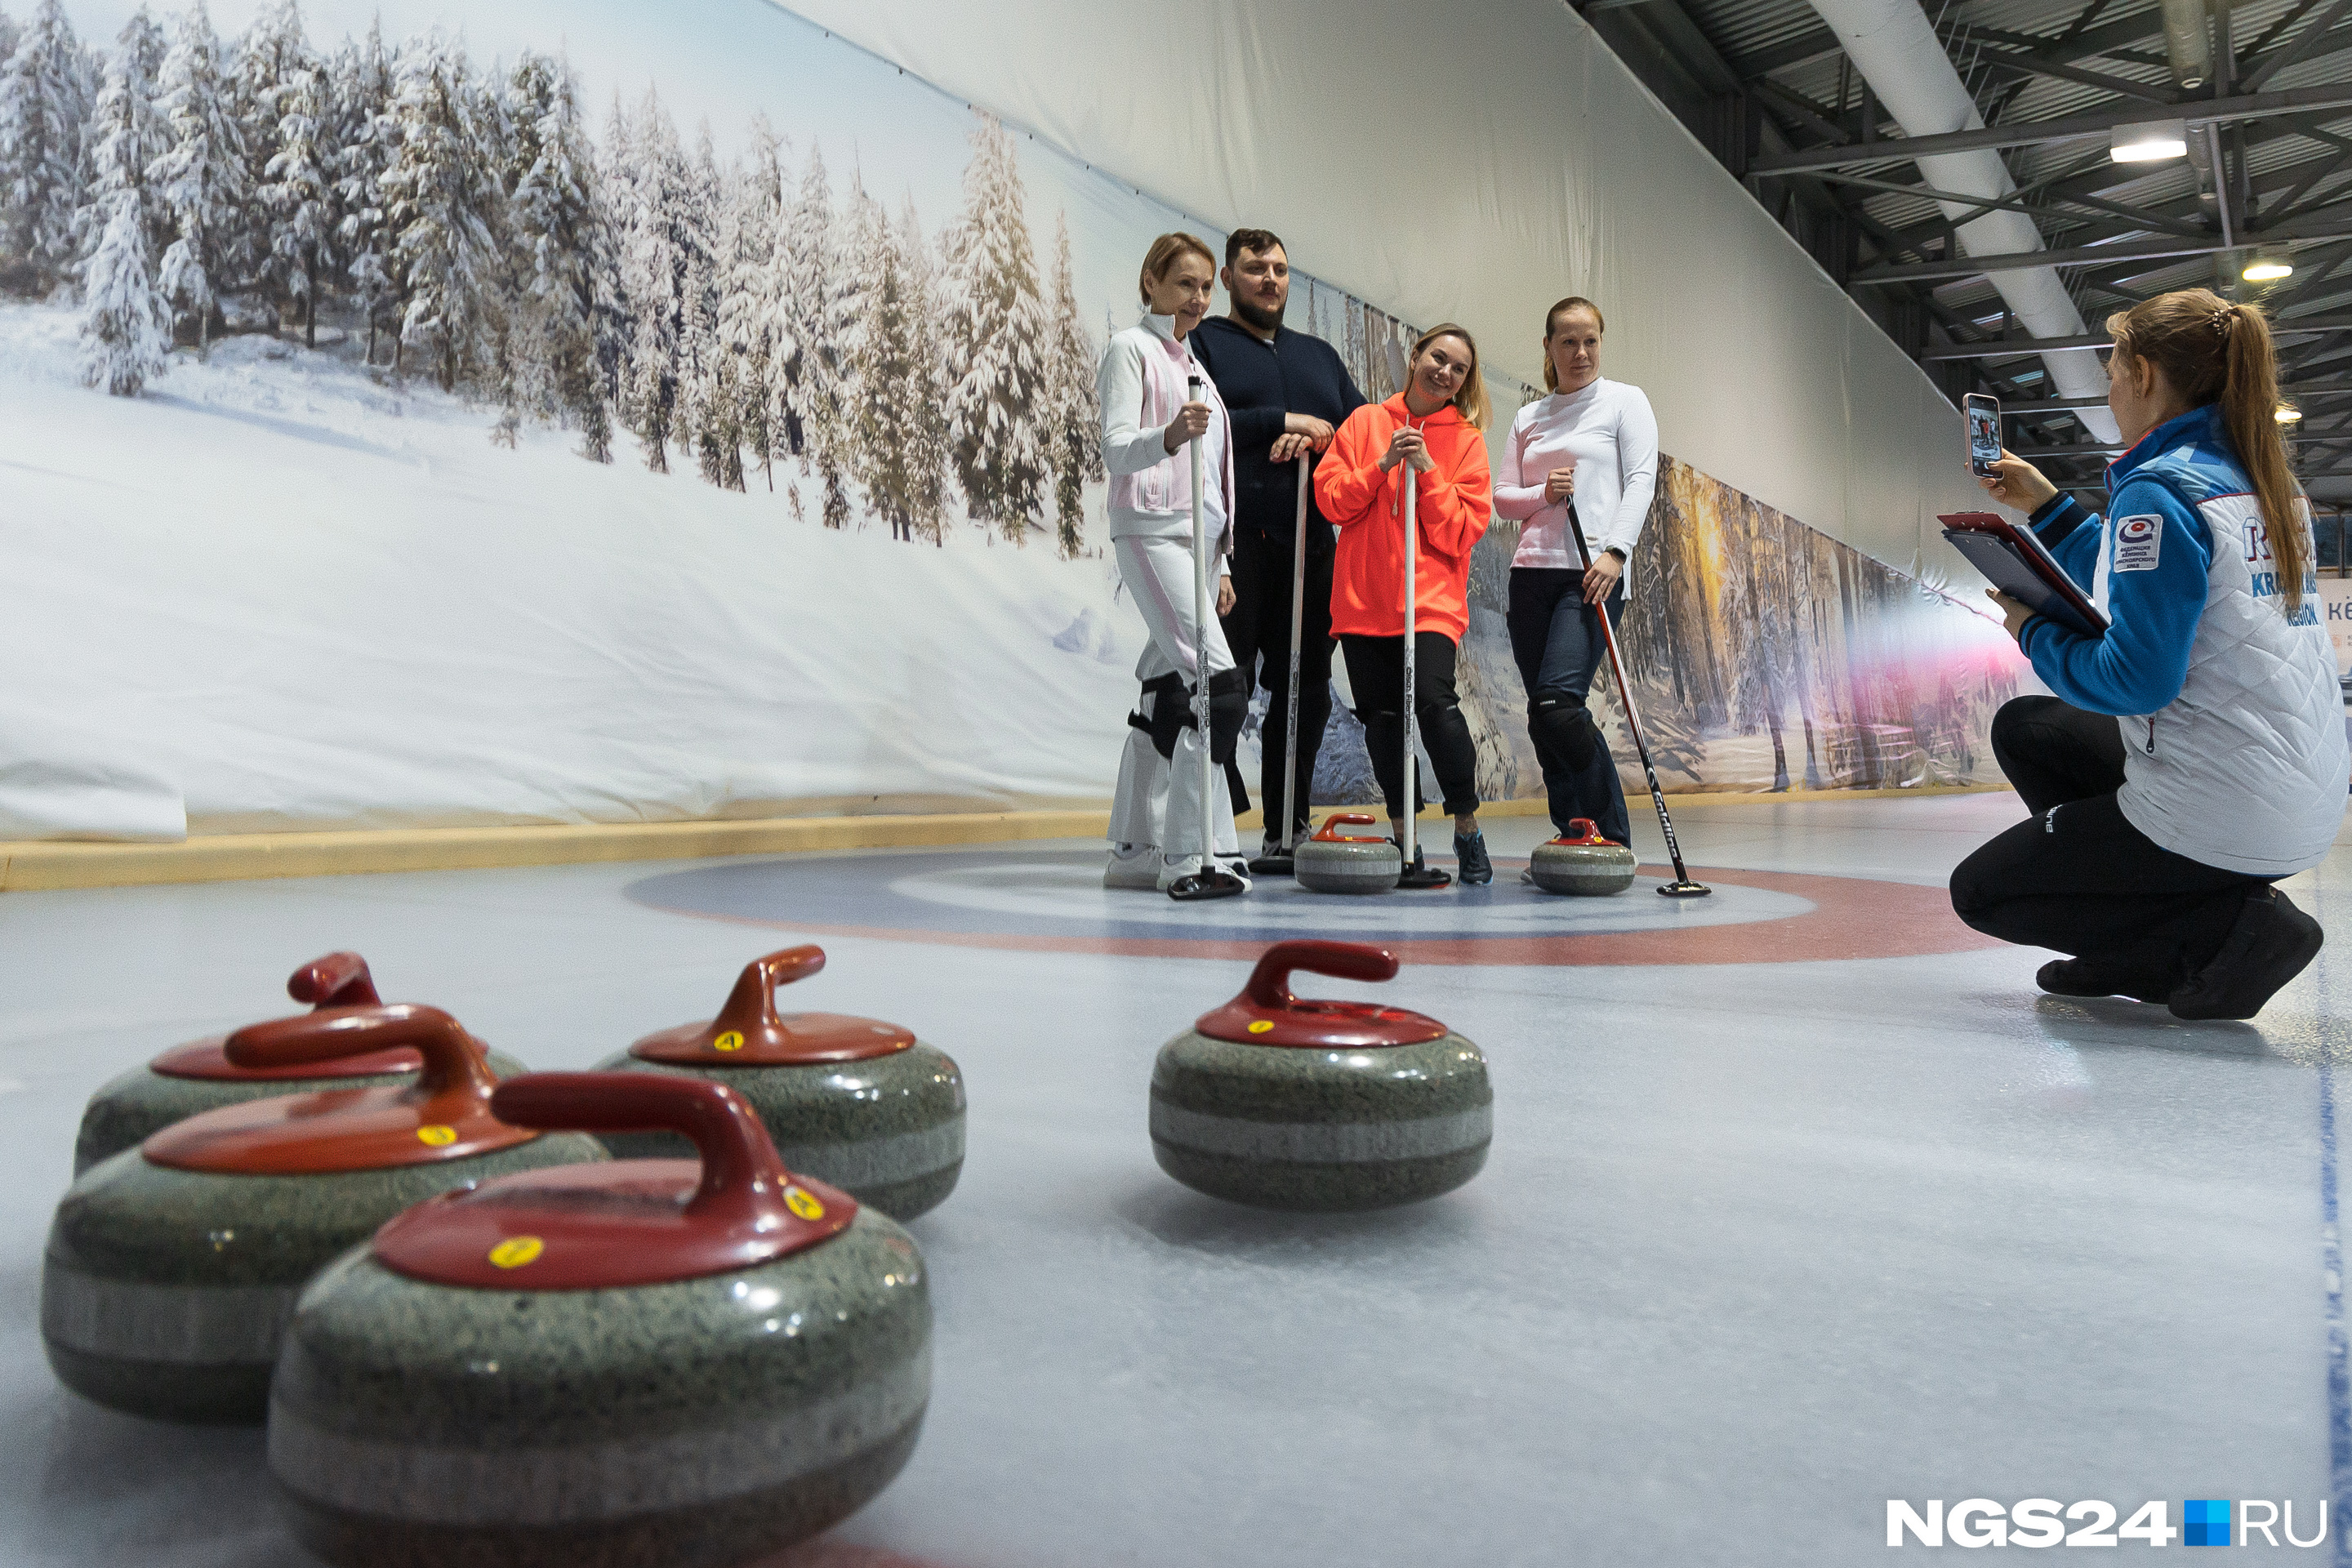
(1429,436)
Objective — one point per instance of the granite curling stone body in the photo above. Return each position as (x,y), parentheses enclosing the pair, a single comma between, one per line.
(199,1076)
(1580,861)
(1284,1103)
(854,1101)
(1335,862)
(638,1362)
(172,1268)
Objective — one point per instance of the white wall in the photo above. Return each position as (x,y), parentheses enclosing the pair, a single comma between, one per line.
(1474,161)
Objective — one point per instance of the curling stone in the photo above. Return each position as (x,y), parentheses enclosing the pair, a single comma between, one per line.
(199,1076)
(643,1362)
(1582,861)
(172,1268)
(854,1101)
(1286,1103)
(1337,862)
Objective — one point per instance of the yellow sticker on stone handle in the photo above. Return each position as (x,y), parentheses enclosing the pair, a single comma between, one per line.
(1261,1026)
(517,1250)
(733,1040)
(437,1135)
(803,1203)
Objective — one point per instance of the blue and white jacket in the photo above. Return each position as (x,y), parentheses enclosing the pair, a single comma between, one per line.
(2234,749)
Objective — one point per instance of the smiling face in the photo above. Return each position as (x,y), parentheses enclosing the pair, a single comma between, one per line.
(1574,349)
(1259,282)
(1183,290)
(1438,372)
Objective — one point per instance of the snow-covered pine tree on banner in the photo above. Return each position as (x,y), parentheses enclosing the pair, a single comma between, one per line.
(201,176)
(45,103)
(999,343)
(126,328)
(1074,431)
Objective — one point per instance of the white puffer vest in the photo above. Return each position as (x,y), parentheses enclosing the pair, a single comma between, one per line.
(2247,769)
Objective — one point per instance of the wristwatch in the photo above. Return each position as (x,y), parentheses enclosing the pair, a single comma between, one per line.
(1613,550)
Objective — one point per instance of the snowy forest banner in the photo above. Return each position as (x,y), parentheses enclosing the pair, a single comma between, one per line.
(426,415)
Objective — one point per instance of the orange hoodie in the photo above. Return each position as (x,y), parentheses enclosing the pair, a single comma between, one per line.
(1454,503)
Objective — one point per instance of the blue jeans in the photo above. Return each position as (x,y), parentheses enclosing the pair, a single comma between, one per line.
(1557,643)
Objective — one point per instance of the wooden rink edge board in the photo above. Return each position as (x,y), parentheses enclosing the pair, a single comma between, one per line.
(31,865)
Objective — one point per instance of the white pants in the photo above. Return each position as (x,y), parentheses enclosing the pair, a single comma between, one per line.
(1158,575)
(1140,805)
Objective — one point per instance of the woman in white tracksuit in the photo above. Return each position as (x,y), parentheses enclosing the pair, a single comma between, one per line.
(1148,416)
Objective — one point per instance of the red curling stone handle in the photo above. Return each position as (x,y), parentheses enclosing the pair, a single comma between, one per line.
(338,980)
(452,1059)
(752,1006)
(744,1177)
(1269,983)
(1268,1013)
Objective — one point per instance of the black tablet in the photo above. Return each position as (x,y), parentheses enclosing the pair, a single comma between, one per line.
(2013,560)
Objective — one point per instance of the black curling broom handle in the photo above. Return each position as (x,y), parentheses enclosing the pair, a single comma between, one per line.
(1625,695)
(1297,633)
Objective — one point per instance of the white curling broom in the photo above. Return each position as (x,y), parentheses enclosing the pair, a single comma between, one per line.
(1407,875)
(1285,864)
(1212,881)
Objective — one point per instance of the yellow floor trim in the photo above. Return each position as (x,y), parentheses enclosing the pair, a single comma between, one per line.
(26,867)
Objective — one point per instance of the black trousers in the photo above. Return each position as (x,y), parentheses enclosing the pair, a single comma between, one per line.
(1557,643)
(1376,677)
(1258,631)
(2076,876)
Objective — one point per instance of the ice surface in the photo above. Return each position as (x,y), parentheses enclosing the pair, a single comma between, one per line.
(1759,1246)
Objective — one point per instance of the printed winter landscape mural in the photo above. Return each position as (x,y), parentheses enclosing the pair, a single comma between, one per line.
(580,412)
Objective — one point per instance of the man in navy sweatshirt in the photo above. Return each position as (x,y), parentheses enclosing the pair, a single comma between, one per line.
(1286,392)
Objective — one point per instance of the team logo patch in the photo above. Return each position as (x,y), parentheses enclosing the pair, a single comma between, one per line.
(2137,540)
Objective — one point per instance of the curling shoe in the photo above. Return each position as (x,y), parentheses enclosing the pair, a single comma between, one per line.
(2270,943)
(1185,878)
(1470,862)
(2099,977)
(1135,867)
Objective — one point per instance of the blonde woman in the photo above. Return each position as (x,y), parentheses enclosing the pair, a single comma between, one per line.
(1148,416)
(2195,752)
(1430,436)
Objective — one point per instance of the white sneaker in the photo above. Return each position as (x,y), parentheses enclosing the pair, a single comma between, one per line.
(1134,866)
(1239,865)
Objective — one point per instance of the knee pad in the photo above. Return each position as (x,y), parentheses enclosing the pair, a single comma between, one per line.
(1229,701)
(1566,725)
(1171,709)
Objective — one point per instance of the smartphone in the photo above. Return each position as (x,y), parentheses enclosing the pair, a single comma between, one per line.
(1984,432)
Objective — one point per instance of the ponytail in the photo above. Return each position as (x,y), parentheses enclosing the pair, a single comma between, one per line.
(2214,352)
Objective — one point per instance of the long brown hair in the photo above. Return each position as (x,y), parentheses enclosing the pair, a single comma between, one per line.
(2214,352)
(1551,324)
(1471,397)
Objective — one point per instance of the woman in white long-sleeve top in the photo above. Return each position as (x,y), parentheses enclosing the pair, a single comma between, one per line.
(1148,417)
(1591,444)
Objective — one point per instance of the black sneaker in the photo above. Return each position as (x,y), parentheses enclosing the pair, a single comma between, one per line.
(2269,945)
(2099,977)
(1470,862)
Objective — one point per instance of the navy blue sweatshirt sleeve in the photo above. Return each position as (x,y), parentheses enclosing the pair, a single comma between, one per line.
(2154,561)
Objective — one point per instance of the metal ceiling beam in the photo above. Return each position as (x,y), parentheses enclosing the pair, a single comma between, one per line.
(2078,255)
(2320,96)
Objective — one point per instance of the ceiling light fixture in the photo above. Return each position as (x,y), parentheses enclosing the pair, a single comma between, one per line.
(2267,269)
(2148,144)
(2286,413)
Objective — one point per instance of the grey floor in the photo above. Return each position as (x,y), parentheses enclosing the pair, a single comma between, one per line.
(1759,1248)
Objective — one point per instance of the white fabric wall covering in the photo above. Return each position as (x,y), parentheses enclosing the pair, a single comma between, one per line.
(1477,162)
(95,778)
(1890,43)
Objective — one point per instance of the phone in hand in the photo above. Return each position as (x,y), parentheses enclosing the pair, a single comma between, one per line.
(1983,413)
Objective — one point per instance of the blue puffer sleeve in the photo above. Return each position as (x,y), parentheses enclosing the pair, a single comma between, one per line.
(2157,555)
